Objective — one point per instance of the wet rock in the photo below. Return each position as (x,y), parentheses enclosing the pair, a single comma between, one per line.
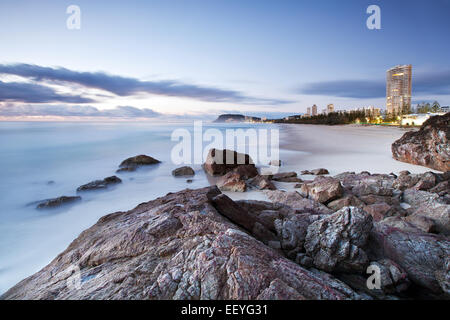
(220,162)
(429,147)
(336,242)
(294,200)
(131,164)
(57,202)
(322,189)
(183,172)
(100,184)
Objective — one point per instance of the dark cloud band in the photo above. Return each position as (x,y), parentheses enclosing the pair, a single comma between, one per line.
(436,83)
(125,86)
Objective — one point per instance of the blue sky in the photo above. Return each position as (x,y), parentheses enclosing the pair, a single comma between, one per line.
(189,58)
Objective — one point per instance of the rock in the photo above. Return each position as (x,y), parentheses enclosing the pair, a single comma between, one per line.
(183,172)
(378,211)
(261,183)
(429,147)
(303,260)
(336,242)
(406,181)
(404,172)
(427,181)
(242,218)
(428,204)
(57,202)
(393,278)
(294,200)
(363,185)
(421,255)
(99,184)
(233,182)
(220,162)
(423,223)
(131,164)
(401,224)
(292,232)
(441,188)
(246,171)
(322,189)
(347,201)
(306,172)
(318,172)
(189,181)
(275,163)
(175,247)
(286,177)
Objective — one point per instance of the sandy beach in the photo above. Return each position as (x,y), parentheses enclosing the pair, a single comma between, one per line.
(341,148)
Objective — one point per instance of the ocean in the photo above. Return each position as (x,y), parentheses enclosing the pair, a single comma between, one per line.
(42,160)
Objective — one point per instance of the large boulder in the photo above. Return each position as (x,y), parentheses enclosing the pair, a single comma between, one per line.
(336,242)
(220,162)
(429,147)
(322,189)
(175,247)
(422,255)
(99,184)
(131,164)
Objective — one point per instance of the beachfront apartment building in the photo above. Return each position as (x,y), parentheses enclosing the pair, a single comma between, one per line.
(398,88)
(308,111)
(314,110)
(330,108)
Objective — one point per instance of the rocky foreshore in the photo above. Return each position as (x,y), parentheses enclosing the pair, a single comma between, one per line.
(427,147)
(319,241)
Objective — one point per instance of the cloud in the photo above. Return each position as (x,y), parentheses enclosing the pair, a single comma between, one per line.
(35,93)
(125,112)
(429,83)
(125,86)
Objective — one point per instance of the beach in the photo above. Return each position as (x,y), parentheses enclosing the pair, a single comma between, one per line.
(342,148)
(72,154)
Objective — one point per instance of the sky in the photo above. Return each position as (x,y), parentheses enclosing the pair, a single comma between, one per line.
(179,59)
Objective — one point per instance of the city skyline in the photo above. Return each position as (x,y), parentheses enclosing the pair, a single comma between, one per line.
(155,59)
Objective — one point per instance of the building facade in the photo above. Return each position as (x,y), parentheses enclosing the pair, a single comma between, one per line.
(398,89)
(314,110)
(330,108)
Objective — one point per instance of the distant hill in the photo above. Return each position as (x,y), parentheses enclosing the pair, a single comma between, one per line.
(235,118)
